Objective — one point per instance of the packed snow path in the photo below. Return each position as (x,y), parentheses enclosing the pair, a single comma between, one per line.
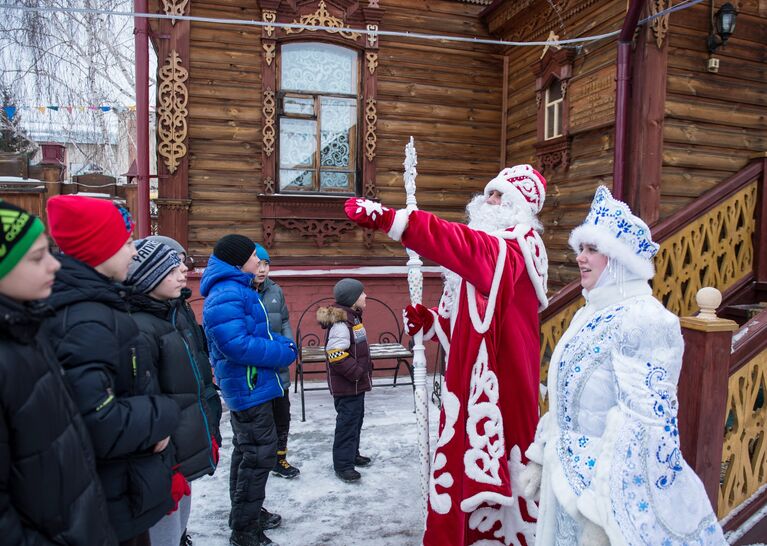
(382,509)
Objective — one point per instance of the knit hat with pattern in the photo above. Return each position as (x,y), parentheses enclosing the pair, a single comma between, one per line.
(20,229)
(151,265)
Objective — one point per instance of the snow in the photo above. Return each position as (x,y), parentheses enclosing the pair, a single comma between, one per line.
(382,509)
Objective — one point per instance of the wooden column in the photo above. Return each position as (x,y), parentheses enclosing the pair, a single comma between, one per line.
(645,156)
(171,39)
(703,385)
(760,233)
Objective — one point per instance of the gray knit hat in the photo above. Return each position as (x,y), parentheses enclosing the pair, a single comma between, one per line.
(347,291)
(151,265)
(174,244)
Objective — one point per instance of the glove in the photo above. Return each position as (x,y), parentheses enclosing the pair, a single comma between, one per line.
(214,449)
(530,480)
(369,214)
(593,535)
(179,487)
(417,318)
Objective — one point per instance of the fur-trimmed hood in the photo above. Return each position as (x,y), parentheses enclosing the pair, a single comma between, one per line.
(328,316)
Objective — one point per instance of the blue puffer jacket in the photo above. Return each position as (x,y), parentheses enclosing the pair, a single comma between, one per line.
(246,356)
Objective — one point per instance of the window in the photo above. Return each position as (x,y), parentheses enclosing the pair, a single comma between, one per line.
(553,110)
(318,114)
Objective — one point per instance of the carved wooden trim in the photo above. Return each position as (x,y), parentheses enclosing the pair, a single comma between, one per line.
(659,25)
(322,18)
(372,59)
(322,231)
(174,7)
(372,38)
(269,133)
(268,51)
(370,191)
(269,16)
(269,186)
(172,112)
(553,153)
(371,118)
(173,204)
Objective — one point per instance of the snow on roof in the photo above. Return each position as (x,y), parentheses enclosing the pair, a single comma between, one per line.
(18,179)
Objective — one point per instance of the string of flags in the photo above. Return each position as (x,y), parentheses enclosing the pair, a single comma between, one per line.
(11,111)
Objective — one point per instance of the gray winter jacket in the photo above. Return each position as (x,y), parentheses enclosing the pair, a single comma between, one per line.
(274,301)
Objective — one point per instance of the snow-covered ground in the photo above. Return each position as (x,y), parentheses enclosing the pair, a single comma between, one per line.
(382,509)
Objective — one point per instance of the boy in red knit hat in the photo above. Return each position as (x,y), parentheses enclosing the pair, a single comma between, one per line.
(108,369)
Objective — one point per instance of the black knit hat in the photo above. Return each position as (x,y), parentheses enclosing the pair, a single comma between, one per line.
(347,291)
(18,231)
(234,249)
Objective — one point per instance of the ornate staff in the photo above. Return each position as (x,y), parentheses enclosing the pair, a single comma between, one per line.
(415,285)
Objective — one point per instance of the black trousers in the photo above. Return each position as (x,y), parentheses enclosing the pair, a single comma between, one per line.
(346,444)
(253,457)
(281,409)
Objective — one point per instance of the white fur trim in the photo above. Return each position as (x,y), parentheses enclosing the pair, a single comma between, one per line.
(482,325)
(398,227)
(537,268)
(609,245)
(501,183)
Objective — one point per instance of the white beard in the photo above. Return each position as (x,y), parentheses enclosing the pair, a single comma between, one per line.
(489,218)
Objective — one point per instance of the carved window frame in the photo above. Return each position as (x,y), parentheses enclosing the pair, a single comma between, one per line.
(319,217)
(554,67)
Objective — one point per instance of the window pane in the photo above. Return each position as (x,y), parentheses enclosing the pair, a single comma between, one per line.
(318,67)
(298,142)
(335,181)
(558,119)
(303,106)
(550,120)
(338,118)
(554,91)
(296,180)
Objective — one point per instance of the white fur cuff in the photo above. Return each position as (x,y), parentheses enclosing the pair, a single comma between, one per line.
(399,225)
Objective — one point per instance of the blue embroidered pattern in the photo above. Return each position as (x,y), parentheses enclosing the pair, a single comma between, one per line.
(126,218)
(665,408)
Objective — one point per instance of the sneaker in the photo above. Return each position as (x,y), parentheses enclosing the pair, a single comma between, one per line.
(186,540)
(361,460)
(284,469)
(250,538)
(269,520)
(349,475)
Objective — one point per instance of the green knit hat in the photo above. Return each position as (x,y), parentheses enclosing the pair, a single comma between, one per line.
(20,230)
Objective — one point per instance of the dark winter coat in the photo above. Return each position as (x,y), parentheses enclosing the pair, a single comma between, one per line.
(244,352)
(187,322)
(347,354)
(115,387)
(178,371)
(49,491)
(274,300)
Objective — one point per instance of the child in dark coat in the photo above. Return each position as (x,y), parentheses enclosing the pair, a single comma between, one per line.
(347,357)
(49,490)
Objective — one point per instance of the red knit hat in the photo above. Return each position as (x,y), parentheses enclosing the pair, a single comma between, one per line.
(91,230)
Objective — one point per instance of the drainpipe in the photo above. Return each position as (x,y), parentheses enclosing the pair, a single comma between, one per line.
(623,78)
(141,41)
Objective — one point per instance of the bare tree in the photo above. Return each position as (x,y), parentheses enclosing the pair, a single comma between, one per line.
(66,58)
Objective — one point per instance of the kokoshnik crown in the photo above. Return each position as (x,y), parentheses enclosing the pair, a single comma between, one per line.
(617,233)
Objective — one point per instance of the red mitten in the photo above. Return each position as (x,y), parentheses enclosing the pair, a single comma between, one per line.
(369,214)
(416,318)
(178,488)
(214,449)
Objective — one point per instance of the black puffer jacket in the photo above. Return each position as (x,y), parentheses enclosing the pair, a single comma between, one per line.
(115,387)
(195,335)
(166,334)
(49,491)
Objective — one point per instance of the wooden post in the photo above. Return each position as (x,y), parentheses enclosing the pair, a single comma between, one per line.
(760,233)
(703,386)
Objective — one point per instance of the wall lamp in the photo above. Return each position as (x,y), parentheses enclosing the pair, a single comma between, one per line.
(723,23)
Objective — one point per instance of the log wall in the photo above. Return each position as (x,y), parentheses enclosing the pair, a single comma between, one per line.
(445,94)
(714,122)
(591,157)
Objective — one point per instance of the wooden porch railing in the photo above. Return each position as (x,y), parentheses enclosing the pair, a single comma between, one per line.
(711,242)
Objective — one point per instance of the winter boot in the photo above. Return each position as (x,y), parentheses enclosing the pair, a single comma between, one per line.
(283,468)
(361,460)
(250,538)
(267,520)
(349,475)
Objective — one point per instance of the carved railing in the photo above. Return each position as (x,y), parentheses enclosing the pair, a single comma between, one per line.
(708,243)
(744,452)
